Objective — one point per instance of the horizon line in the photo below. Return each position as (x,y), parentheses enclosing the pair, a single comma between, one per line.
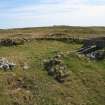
(49,26)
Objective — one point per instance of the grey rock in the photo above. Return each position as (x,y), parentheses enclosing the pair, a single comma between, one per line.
(56,68)
(6,65)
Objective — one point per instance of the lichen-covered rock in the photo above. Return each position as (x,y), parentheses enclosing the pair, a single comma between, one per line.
(56,68)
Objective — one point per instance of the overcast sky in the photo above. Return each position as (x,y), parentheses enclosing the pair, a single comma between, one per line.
(32,13)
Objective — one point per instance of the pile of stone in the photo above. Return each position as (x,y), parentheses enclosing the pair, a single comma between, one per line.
(94,48)
(11,42)
(98,55)
(56,68)
(6,65)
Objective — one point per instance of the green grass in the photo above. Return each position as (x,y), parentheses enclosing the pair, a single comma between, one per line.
(85,85)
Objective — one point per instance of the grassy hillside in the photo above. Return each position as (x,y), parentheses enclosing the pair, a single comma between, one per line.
(85,86)
(49,31)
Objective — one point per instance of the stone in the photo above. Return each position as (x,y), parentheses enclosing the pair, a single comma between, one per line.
(94,48)
(98,55)
(56,67)
(25,67)
(11,42)
(6,65)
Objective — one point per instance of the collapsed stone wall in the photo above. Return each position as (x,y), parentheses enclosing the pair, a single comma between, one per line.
(11,42)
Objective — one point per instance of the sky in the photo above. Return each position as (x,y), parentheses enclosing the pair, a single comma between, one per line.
(36,13)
